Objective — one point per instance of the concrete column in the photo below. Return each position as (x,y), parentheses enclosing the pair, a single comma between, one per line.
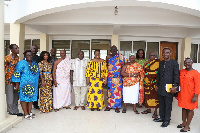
(185,50)
(44,42)
(2,76)
(17,35)
(6,121)
(115,41)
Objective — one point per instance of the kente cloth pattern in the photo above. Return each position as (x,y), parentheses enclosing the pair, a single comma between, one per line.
(62,93)
(114,92)
(10,63)
(130,81)
(150,79)
(27,75)
(97,72)
(190,85)
(46,104)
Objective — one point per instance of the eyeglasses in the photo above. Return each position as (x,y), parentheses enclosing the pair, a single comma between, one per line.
(29,55)
(152,55)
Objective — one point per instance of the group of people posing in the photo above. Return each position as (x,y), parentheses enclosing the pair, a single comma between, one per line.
(138,81)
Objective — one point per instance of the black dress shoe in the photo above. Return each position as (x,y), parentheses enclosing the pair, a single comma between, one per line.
(19,114)
(158,120)
(165,124)
(36,107)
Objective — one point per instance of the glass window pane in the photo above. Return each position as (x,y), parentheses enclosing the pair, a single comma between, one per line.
(152,47)
(27,45)
(7,49)
(103,46)
(83,45)
(61,45)
(193,54)
(199,55)
(125,48)
(138,45)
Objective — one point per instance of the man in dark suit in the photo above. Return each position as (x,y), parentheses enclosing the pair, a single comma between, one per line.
(168,73)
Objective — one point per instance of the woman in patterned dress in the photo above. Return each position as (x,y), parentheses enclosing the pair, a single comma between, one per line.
(133,89)
(26,77)
(45,83)
(96,74)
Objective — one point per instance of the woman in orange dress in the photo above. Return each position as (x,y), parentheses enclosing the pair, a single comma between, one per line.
(188,96)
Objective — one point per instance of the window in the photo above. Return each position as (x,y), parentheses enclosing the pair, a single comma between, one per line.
(61,45)
(125,48)
(7,49)
(199,54)
(138,45)
(83,45)
(27,44)
(194,52)
(102,45)
(152,47)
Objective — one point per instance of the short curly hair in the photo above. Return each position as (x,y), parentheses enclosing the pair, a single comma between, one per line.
(11,46)
(26,52)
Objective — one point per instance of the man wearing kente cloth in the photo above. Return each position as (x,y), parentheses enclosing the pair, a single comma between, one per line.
(150,79)
(114,93)
(62,77)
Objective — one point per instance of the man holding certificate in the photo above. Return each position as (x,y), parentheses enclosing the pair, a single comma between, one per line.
(168,75)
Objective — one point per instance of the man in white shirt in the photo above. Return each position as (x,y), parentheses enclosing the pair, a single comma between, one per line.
(79,80)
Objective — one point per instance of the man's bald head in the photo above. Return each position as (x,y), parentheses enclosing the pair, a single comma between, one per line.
(152,56)
(34,49)
(63,54)
(53,52)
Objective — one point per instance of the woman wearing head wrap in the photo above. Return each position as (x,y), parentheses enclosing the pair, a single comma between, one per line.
(133,75)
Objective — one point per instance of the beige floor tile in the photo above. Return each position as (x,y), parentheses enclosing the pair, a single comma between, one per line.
(79,121)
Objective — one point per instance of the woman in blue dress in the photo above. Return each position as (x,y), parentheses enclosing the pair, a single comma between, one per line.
(26,78)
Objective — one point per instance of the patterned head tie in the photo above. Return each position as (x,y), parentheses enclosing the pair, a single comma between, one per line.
(188,58)
(131,54)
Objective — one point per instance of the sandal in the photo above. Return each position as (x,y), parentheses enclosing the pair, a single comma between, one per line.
(67,107)
(182,130)
(179,126)
(75,108)
(28,117)
(32,115)
(92,109)
(56,110)
(117,110)
(136,112)
(139,105)
(107,109)
(155,116)
(146,112)
(124,111)
(82,107)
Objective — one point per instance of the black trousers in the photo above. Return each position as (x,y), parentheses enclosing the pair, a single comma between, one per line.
(165,104)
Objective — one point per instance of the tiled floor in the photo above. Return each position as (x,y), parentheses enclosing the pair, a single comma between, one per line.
(71,121)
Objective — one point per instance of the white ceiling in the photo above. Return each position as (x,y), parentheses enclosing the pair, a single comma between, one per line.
(130,21)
